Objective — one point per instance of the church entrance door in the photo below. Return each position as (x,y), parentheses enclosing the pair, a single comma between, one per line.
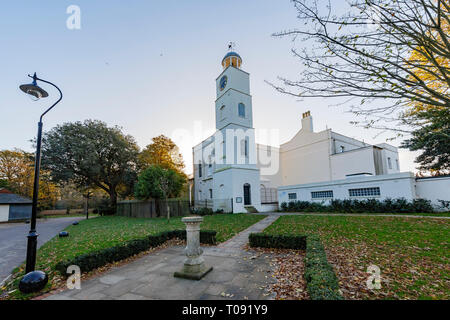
(247,195)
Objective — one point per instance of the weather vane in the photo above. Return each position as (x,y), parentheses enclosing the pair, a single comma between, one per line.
(231,46)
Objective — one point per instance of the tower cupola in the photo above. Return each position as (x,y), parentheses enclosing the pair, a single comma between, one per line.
(232,59)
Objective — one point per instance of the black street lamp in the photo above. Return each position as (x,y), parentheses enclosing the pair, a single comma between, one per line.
(35,280)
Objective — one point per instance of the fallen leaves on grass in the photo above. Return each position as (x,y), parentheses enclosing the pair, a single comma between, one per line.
(287,271)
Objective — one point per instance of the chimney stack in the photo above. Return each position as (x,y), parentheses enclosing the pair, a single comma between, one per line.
(307,123)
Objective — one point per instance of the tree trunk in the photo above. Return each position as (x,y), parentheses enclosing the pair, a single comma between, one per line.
(168,210)
(113,201)
(86,206)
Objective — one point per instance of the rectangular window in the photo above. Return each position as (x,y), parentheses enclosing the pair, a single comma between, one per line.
(292,196)
(199,170)
(396,164)
(322,194)
(210,193)
(364,192)
(241,110)
(244,147)
(389,163)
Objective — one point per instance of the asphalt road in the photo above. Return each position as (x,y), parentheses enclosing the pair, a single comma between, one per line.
(13,240)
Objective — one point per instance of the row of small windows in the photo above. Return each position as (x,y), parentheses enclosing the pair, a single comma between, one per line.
(322,194)
(360,192)
(364,192)
(241,110)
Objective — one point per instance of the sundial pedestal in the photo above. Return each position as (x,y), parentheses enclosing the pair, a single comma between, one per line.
(194,267)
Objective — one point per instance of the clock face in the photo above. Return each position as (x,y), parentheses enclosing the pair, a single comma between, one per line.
(223,82)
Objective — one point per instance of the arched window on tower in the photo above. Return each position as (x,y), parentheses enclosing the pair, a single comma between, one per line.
(241,110)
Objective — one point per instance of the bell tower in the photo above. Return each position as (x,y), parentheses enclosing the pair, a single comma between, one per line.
(233,99)
(236,174)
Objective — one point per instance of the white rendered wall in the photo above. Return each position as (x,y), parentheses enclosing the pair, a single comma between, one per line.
(306,158)
(392,153)
(233,180)
(434,189)
(269,165)
(4,212)
(348,143)
(237,79)
(352,162)
(400,185)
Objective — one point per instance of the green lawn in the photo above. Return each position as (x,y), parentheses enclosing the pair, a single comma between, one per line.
(104,232)
(413,254)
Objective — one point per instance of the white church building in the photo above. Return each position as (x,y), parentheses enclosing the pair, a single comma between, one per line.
(234,173)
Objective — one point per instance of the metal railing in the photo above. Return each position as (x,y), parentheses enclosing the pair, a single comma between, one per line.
(269,195)
(225,205)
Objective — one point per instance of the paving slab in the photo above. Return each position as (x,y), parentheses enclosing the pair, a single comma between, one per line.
(237,274)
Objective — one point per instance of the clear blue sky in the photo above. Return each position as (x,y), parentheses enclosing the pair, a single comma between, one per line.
(150,67)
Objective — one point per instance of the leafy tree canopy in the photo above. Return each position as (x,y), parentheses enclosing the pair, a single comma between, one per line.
(432,138)
(158,182)
(162,152)
(90,153)
(17,175)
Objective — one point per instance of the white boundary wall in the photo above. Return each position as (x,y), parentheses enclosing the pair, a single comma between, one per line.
(397,185)
(434,189)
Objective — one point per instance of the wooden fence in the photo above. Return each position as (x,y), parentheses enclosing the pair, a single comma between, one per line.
(152,208)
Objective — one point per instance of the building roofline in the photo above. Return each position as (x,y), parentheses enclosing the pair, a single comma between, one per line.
(350,180)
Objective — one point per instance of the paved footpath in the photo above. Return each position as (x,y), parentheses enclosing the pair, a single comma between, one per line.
(237,274)
(13,240)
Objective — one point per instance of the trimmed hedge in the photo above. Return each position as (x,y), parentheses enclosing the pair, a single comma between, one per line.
(97,259)
(263,240)
(399,205)
(321,281)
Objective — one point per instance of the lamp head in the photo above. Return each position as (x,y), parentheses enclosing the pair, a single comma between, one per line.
(33,89)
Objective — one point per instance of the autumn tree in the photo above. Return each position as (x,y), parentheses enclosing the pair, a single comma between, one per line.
(430,123)
(17,170)
(365,54)
(162,152)
(158,182)
(90,153)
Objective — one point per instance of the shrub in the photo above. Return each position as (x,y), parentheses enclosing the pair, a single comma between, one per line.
(422,205)
(279,242)
(444,204)
(321,281)
(104,207)
(99,258)
(400,205)
(202,211)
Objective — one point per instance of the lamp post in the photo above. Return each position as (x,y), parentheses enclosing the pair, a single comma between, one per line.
(35,280)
